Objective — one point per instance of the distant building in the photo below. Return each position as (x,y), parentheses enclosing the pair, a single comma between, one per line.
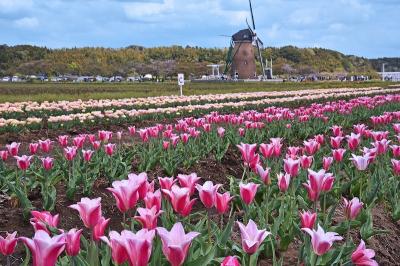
(390,76)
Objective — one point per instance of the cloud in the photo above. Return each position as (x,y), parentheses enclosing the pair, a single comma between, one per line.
(14,5)
(27,23)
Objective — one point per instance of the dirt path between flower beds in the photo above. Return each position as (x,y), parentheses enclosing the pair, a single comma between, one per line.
(386,246)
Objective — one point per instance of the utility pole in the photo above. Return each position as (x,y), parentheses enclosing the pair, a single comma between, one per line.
(383,71)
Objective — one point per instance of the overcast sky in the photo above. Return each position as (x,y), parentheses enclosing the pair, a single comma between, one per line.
(369,28)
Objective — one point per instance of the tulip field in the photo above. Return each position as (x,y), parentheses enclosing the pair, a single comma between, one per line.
(309,177)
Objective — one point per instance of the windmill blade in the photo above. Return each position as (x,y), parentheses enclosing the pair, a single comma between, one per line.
(260,43)
(250,29)
(261,59)
(224,35)
(252,15)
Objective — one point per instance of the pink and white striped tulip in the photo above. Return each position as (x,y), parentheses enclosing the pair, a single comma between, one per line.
(207,193)
(45,145)
(109,149)
(230,261)
(70,153)
(33,148)
(13,148)
(264,174)
(327,162)
(248,192)
(188,181)
(291,166)
(87,155)
(47,163)
(148,217)
(352,208)
(249,156)
(338,154)
(361,162)
(283,182)
(23,162)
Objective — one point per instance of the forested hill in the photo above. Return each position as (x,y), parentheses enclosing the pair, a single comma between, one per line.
(166,61)
(392,64)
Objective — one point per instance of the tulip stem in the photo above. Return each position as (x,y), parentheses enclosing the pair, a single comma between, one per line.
(273,251)
(244,173)
(313,261)
(8,261)
(124,219)
(209,227)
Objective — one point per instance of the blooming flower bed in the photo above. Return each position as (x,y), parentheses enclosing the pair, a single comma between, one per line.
(296,168)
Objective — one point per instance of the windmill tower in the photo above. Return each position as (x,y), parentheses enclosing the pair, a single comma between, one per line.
(241,61)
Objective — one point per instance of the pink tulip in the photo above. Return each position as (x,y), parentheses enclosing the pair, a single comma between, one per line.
(267,150)
(306,161)
(283,182)
(353,141)
(222,202)
(47,163)
(352,208)
(119,135)
(293,151)
(291,166)
(338,154)
(13,148)
(248,192)
(41,220)
(307,219)
(73,242)
(327,162)
(363,256)
(79,141)
(337,131)
(207,193)
(189,181)
(360,129)
(317,183)
(336,142)
(63,140)
(180,200)
(96,145)
(166,145)
(252,238)
(140,181)
(148,217)
(321,242)
(185,138)
(396,166)
(230,261)
(45,145)
(117,244)
(395,150)
(166,182)
(381,145)
(241,132)
(45,249)
(89,211)
(8,244)
(132,130)
(221,132)
(138,246)
(277,144)
(144,135)
(33,148)
(320,138)
(361,162)
(4,155)
(175,243)
(87,155)
(70,153)
(23,162)
(109,149)
(311,146)
(99,228)
(104,135)
(249,156)
(125,193)
(153,199)
(264,174)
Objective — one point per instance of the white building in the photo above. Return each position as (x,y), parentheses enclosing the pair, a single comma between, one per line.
(390,76)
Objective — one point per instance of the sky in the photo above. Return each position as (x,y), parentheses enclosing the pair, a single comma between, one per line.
(369,28)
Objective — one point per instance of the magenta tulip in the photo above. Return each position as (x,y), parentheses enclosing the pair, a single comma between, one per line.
(8,244)
(363,256)
(252,238)
(41,220)
(73,242)
(207,193)
(176,243)
(248,192)
(45,145)
(4,155)
(99,228)
(180,200)
(109,149)
(23,162)
(283,182)
(33,148)
(321,242)
(13,148)
(327,162)
(45,249)
(89,211)
(47,163)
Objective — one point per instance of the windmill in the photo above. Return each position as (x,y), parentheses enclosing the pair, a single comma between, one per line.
(240,59)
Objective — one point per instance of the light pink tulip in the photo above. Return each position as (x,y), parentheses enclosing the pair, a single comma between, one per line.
(352,208)
(166,182)
(45,249)
(363,256)
(73,242)
(248,192)
(153,199)
(221,132)
(321,242)
(252,238)
(148,217)
(361,162)
(264,174)
(140,180)
(176,243)
(117,245)
(138,246)
(89,211)
(8,244)
(125,193)
(249,156)
(207,193)
(132,130)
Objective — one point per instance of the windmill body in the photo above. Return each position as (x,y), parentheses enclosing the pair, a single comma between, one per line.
(243,61)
